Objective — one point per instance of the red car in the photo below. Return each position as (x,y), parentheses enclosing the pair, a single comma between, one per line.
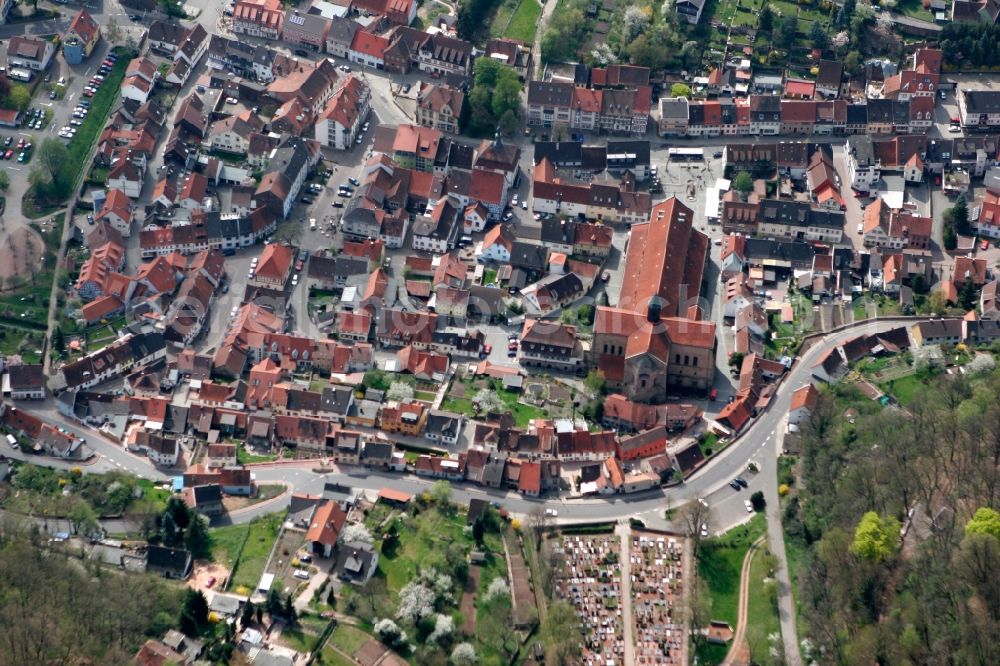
(299,265)
(210,582)
(985,245)
(10,154)
(487,349)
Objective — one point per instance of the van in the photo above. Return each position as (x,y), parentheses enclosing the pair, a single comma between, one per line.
(861,227)
(12,441)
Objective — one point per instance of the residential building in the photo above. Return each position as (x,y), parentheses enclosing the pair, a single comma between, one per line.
(439,106)
(305,29)
(549,344)
(26,382)
(690,10)
(340,123)
(31,53)
(258,18)
(80,37)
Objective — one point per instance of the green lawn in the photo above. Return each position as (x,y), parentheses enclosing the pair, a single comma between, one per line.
(330,657)
(226,542)
(904,388)
(795,553)
(259,540)
(244,457)
(348,639)
(524,22)
(720,561)
(762,611)
(426,396)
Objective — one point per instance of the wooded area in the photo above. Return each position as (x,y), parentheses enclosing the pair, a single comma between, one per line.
(866,595)
(55,609)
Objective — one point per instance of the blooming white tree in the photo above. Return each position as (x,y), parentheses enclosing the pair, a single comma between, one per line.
(497,588)
(357,533)
(488,401)
(634,22)
(603,55)
(389,632)
(399,391)
(444,628)
(463,655)
(416,601)
(441,584)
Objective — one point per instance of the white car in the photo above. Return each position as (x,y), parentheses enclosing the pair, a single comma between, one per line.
(704,530)
(232,100)
(748,506)
(302,574)
(551,513)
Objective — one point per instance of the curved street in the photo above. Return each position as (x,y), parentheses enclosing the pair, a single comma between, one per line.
(760,443)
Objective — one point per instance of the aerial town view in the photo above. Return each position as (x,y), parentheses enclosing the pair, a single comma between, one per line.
(499,332)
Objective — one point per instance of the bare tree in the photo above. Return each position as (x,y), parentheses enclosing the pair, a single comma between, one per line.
(691,517)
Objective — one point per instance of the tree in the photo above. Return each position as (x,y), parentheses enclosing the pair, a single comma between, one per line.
(478,531)
(197,539)
(416,601)
(875,538)
(680,90)
(112,31)
(19,97)
(246,617)
(691,517)
(936,302)
(52,156)
(399,391)
(818,36)
(787,31)
(603,55)
(508,122)
(4,181)
(757,500)
(765,20)
(736,359)
(463,655)
(967,294)
(595,382)
(83,518)
(561,633)
(919,284)
(506,95)
(949,237)
(357,533)
(852,62)
(960,215)
(635,20)
(444,629)
(194,612)
(58,341)
(699,610)
(441,494)
(743,182)
(389,633)
(984,521)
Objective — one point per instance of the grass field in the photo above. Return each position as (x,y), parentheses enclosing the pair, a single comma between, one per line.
(762,612)
(522,413)
(348,639)
(260,535)
(904,389)
(244,457)
(719,564)
(524,22)
(330,657)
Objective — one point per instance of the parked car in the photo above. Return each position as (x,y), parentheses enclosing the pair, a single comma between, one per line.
(748,505)
(551,513)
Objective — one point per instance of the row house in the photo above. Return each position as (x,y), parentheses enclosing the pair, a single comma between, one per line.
(133,350)
(613,111)
(548,344)
(440,55)
(80,37)
(595,201)
(258,18)
(306,30)
(256,62)
(439,106)
(895,229)
(800,221)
